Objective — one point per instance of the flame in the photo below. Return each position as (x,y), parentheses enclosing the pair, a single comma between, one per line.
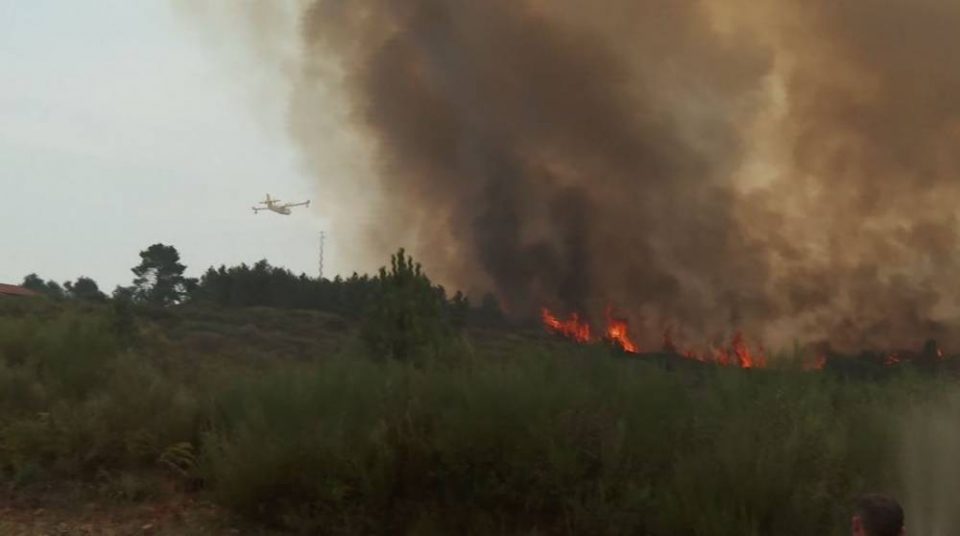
(744,358)
(571,328)
(738,354)
(817,363)
(740,351)
(618,332)
(579,331)
(719,356)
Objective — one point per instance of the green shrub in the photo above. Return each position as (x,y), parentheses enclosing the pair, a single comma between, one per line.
(72,403)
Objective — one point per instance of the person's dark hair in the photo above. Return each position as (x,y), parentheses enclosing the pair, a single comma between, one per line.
(880,514)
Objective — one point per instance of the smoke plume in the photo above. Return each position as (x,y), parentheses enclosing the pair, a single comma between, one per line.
(788,168)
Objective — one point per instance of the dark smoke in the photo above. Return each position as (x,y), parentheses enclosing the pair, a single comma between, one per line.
(789,168)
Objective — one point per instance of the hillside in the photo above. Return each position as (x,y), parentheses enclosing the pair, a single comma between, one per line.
(205,420)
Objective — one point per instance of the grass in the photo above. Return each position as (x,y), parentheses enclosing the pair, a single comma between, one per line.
(575,444)
(529,438)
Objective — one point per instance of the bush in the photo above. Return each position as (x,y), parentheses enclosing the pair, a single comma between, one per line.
(73,404)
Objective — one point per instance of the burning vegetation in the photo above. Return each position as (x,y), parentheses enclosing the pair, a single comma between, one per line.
(739,353)
(617,334)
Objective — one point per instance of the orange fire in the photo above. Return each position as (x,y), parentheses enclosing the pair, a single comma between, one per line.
(817,363)
(738,354)
(617,332)
(577,330)
(571,328)
(744,358)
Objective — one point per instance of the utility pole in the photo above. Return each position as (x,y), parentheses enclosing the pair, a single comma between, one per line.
(323,236)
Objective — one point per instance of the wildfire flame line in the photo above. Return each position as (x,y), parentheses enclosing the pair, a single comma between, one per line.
(571,328)
(737,354)
(577,330)
(617,332)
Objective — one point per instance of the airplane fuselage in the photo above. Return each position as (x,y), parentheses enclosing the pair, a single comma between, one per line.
(274,205)
(273,208)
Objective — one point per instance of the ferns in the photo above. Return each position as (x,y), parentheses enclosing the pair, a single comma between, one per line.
(180,459)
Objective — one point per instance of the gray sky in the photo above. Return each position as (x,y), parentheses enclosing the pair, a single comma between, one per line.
(120,127)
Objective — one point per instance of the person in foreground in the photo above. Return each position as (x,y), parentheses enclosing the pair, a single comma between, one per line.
(877,515)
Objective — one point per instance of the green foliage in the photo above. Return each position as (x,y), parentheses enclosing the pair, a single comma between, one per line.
(48,288)
(263,285)
(266,285)
(458,309)
(71,403)
(550,443)
(123,321)
(409,318)
(85,289)
(180,459)
(160,279)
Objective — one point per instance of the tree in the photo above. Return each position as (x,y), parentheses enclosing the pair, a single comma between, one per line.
(459,308)
(489,314)
(124,322)
(126,294)
(160,278)
(408,316)
(34,283)
(271,286)
(85,289)
(37,284)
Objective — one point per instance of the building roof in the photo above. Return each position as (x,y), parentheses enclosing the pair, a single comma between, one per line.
(14,290)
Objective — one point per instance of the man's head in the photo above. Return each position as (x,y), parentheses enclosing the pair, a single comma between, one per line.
(877,515)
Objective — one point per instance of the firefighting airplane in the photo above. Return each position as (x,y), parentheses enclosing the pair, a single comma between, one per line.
(274,205)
